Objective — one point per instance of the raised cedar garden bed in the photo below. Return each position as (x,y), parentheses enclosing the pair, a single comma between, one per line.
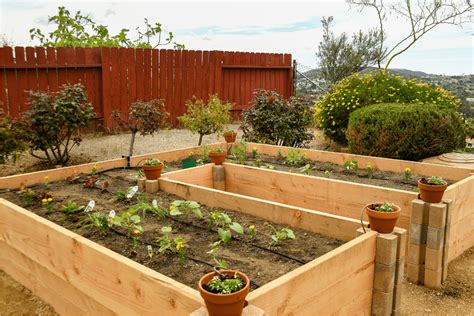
(79,276)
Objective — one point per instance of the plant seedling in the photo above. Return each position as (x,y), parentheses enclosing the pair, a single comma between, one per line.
(407,175)
(239,151)
(351,165)
(222,284)
(281,235)
(220,263)
(176,246)
(435,180)
(370,170)
(48,204)
(71,207)
(146,206)
(152,162)
(120,196)
(293,157)
(182,207)
(27,196)
(327,174)
(138,174)
(99,220)
(306,169)
(254,152)
(386,207)
(131,221)
(219,219)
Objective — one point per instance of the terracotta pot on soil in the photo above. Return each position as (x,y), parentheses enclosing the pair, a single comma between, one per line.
(382,222)
(218,158)
(431,193)
(224,304)
(230,137)
(152,172)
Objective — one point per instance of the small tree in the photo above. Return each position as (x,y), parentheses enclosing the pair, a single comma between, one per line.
(206,118)
(144,117)
(52,124)
(10,145)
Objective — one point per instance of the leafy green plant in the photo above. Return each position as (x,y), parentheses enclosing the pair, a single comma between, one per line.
(351,165)
(239,152)
(435,180)
(370,170)
(220,263)
(176,245)
(217,150)
(11,145)
(407,175)
(254,152)
(206,118)
(48,204)
(405,131)
(293,157)
(386,207)
(53,123)
(219,219)
(273,120)
(222,284)
(258,162)
(71,207)
(130,220)
(183,207)
(145,206)
(120,196)
(146,118)
(100,220)
(327,174)
(152,162)
(281,235)
(78,30)
(307,169)
(27,196)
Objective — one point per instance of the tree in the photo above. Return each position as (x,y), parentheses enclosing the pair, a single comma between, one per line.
(339,56)
(422,17)
(80,30)
(53,123)
(10,144)
(206,118)
(144,117)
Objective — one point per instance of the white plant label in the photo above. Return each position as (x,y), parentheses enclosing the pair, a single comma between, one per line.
(90,206)
(112,214)
(154,203)
(132,191)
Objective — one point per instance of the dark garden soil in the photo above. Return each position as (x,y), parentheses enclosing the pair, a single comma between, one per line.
(253,256)
(318,169)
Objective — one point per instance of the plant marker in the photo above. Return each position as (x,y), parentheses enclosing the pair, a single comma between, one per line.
(132,191)
(90,206)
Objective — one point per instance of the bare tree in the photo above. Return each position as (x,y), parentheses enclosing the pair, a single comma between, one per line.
(423,16)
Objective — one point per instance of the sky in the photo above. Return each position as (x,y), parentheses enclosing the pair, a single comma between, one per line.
(269,26)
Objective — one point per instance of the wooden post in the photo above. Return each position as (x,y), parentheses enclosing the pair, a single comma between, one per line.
(218,177)
(152,186)
(141,184)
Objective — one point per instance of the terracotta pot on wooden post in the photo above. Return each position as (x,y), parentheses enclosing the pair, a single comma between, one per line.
(382,222)
(152,172)
(230,137)
(217,158)
(224,304)
(431,193)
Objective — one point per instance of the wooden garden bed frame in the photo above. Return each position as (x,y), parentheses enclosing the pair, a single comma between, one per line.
(77,276)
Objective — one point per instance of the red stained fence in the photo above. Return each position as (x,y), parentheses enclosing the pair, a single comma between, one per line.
(116,77)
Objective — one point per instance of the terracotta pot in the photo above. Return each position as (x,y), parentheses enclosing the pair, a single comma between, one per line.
(230,137)
(218,158)
(152,172)
(431,193)
(224,304)
(382,222)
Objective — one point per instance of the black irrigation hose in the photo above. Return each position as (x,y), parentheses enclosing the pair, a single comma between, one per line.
(187,256)
(241,240)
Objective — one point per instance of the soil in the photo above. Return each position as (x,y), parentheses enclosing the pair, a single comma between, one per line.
(379,178)
(253,256)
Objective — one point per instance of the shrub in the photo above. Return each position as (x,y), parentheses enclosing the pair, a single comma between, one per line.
(405,131)
(144,117)
(470,127)
(357,91)
(272,120)
(10,145)
(52,124)
(206,118)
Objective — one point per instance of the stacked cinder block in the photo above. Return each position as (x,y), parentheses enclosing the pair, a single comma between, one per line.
(389,270)
(429,239)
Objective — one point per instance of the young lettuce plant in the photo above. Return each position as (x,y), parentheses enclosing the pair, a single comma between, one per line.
(281,235)
(71,207)
(176,245)
(182,207)
(131,222)
(99,220)
(145,206)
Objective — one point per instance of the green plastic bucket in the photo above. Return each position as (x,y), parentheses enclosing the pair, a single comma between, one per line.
(188,163)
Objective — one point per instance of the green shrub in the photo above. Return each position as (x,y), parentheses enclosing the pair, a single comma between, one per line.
(357,91)
(52,124)
(206,118)
(10,145)
(470,127)
(272,120)
(405,131)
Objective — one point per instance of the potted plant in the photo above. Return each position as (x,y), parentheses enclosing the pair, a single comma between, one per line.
(382,216)
(152,168)
(189,161)
(217,155)
(224,292)
(230,135)
(432,189)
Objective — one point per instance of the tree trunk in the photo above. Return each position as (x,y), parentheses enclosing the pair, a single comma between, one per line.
(200,139)
(132,142)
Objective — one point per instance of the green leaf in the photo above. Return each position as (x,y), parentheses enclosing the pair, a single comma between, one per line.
(236,227)
(175,212)
(290,233)
(226,218)
(166,229)
(224,235)
(197,212)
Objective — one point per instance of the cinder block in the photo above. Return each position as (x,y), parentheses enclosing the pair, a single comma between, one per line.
(401,242)
(434,259)
(435,238)
(141,184)
(399,271)
(152,186)
(416,254)
(419,212)
(386,251)
(433,278)
(384,278)
(397,297)
(416,273)
(437,216)
(418,234)
(449,214)
(382,303)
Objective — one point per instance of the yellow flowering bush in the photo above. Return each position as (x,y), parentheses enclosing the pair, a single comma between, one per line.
(357,91)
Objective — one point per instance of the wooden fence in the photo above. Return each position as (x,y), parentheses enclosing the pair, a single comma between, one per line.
(116,77)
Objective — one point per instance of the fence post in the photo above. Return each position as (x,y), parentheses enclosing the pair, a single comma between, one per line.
(106,101)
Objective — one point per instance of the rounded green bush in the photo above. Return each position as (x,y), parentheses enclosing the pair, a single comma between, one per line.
(358,91)
(405,131)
